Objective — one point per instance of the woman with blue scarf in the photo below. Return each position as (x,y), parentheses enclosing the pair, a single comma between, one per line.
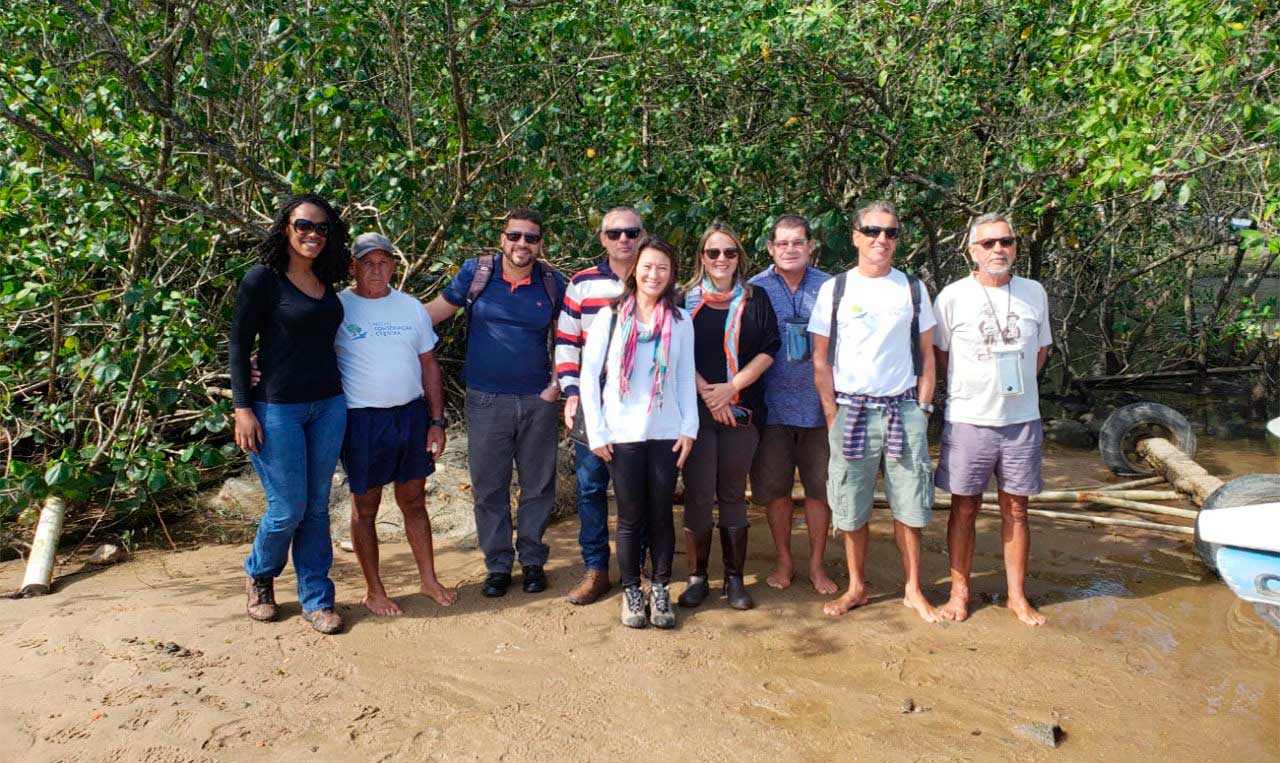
(735,337)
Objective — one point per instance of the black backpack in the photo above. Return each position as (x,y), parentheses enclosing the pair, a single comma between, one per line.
(913,283)
(484,272)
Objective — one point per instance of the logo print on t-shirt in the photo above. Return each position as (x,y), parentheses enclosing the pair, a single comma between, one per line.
(355,332)
(990,332)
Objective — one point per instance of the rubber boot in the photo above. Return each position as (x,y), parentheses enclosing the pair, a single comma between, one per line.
(698,548)
(733,542)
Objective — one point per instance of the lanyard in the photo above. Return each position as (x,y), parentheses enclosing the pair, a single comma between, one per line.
(1004,336)
(799,292)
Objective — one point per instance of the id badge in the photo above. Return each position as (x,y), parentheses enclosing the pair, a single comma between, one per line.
(1009,372)
(797,339)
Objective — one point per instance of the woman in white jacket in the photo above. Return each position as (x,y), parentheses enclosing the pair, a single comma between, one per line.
(640,409)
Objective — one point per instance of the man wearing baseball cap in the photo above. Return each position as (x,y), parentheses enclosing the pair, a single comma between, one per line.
(393,434)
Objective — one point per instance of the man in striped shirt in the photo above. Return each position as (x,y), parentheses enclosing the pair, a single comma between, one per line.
(620,231)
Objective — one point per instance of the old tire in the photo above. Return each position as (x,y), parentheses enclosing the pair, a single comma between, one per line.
(1241,491)
(1126,425)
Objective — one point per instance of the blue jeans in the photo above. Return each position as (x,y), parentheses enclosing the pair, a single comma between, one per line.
(299,450)
(593,507)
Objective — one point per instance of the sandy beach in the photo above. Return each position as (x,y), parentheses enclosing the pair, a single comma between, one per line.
(1145,656)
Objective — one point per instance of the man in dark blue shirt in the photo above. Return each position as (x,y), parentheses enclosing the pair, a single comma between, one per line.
(511,412)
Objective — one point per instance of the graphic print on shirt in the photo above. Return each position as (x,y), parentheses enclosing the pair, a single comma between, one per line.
(355,332)
(989,329)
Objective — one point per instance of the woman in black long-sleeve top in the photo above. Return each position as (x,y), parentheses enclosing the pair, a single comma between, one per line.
(292,422)
(735,336)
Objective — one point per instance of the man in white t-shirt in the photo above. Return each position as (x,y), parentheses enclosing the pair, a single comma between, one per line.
(992,340)
(384,348)
(876,387)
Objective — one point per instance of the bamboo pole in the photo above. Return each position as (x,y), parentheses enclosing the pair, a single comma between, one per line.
(1130,485)
(1121,501)
(44,546)
(1115,521)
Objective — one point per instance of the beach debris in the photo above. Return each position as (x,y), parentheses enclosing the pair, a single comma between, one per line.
(1047,734)
(909,705)
(107,553)
(347,546)
(39,574)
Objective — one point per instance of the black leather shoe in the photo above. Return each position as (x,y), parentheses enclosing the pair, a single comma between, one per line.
(535,580)
(496,584)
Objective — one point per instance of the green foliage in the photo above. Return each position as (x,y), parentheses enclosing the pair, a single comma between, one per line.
(144,146)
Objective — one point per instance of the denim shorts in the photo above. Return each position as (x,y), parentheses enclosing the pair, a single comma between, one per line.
(386,445)
(908,481)
(971,454)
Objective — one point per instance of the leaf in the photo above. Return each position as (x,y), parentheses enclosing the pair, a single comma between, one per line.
(57,473)
(1184,193)
(106,373)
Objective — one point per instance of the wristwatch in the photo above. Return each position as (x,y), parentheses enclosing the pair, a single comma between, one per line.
(926,407)
(442,423)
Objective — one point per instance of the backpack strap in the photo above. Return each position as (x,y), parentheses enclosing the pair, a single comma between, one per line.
(553,292)
(917,362)
(484,271)
(835,313)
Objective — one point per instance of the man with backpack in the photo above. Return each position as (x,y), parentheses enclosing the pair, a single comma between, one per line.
(873,366)
(512,302)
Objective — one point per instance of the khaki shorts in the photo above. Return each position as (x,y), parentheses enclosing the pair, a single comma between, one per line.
(783,449)
(908,481)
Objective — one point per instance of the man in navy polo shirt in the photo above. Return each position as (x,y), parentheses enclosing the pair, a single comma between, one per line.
(510,408)
(795,432)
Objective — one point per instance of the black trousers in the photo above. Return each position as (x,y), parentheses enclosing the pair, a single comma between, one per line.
(644,483)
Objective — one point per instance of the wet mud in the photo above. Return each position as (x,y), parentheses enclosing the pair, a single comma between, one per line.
(1145,656)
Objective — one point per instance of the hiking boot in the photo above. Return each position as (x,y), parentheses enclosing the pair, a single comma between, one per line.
(733,543)
(660,612)
(633,614)
(594,584)
(262,599)
(698,548)
(326,621)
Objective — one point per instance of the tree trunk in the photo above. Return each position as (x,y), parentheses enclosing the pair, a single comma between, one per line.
(1179,469)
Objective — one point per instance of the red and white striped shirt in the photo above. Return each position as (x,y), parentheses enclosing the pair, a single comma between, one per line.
(588,292)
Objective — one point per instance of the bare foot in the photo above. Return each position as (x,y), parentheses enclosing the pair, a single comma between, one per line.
(822,583)
(1025,612)
(781,577)
(439,594)
(921,605)
(381,605)
(956,608)
(853,598)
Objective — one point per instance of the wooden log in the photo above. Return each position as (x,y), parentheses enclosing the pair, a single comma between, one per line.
(1130,485)
(1179,469)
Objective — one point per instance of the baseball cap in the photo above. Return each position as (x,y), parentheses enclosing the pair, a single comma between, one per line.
(371,242)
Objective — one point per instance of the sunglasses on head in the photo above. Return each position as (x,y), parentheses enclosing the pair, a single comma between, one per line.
(303,225)
(529,238)
(989,243)
(874,231)
(613,234)
(731,253)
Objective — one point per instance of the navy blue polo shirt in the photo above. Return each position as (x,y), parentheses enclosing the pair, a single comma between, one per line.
(507,340)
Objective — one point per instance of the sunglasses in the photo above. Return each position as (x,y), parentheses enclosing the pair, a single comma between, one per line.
(529,238)
(303,225)
(613,234)
(874,231)
(714,254)
(1007,242)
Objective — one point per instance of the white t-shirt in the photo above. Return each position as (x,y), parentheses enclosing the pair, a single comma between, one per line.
(968,329)
(378,345)
(873,344)
(609,419)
